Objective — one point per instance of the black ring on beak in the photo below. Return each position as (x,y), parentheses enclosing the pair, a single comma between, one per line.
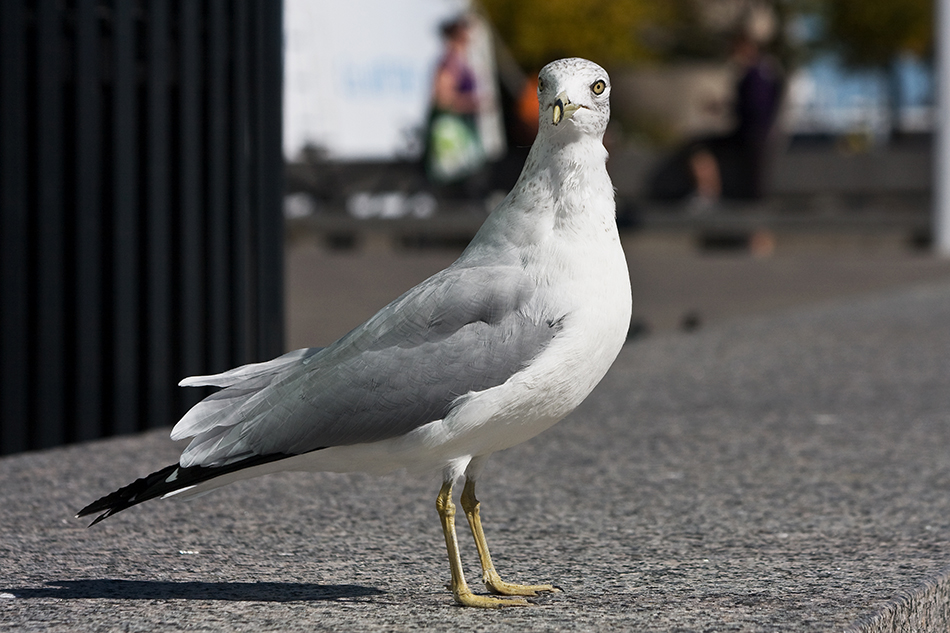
(558,111)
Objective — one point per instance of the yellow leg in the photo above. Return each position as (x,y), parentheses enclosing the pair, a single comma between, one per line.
(463,595)
(491,578)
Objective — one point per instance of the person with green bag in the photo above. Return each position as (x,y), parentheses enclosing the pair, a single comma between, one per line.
(453,148)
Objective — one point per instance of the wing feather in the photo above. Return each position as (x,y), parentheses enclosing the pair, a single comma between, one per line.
(462,330)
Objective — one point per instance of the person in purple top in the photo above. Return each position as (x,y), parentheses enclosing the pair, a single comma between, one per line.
(454,156)
(454,87)
(730,165)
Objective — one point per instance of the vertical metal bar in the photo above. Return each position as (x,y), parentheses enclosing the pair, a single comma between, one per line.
(50,425)
(125,269)
(255,184)
(219,306)
(190,221)
(258,184)
(270,167)
(123,248)
(14,312)
(159,379)
(242,283)
(941,195)
(88,327)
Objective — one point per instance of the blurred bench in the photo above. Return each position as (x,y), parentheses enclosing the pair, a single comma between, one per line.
(814,190)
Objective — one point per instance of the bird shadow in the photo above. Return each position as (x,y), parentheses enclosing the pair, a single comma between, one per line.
(192,590)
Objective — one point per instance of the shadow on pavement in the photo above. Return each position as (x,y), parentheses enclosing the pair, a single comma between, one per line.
(169,590)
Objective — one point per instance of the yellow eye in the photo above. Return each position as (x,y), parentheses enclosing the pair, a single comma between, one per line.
(598,87)
(540,85)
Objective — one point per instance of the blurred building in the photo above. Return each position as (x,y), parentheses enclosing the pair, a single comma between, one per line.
(358,77)
(826,98)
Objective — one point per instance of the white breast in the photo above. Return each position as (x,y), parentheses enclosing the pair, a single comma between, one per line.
(583,279)
(559,223)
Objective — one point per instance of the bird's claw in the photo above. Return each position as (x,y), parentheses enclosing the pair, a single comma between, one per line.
(497,586)
(469,599)
(510,589)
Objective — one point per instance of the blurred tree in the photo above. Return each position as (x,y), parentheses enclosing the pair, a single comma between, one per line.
(619,32)
(873,33)
(610,31)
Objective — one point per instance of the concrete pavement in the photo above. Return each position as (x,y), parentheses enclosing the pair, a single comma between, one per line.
(785,467)
(329,292)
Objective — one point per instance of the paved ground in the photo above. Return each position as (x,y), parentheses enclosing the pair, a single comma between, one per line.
(785,467)
(330,292)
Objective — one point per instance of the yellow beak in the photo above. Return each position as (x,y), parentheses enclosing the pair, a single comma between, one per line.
(563,108)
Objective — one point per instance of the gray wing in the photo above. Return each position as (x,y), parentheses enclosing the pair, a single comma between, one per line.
(463,330)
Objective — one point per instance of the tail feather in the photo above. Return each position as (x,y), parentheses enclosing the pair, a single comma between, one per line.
(166,481)
(254,370)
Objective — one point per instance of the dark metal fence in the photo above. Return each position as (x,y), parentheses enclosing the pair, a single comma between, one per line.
(140,188)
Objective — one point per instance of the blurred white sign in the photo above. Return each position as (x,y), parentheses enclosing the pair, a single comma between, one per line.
(357,74)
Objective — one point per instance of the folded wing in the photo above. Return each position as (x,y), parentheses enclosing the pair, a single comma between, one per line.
(462,330)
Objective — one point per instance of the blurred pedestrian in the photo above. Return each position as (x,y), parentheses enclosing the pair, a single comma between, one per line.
(730,165)
(453,148)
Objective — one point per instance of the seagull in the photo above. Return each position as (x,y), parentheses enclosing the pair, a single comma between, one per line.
(482,356)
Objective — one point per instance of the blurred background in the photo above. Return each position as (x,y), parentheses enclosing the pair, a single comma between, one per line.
(849,127)
(191,185)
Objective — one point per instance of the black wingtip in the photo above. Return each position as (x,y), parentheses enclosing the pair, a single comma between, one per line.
(97,519)
(164,481)
(105,515)
(140,490)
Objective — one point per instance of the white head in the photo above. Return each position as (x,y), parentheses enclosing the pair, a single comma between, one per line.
(575,94)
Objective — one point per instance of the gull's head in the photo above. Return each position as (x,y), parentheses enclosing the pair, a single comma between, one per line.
(574,93)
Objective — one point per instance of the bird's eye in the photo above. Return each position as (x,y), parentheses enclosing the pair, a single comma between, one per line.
(598,87)
(540,85)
